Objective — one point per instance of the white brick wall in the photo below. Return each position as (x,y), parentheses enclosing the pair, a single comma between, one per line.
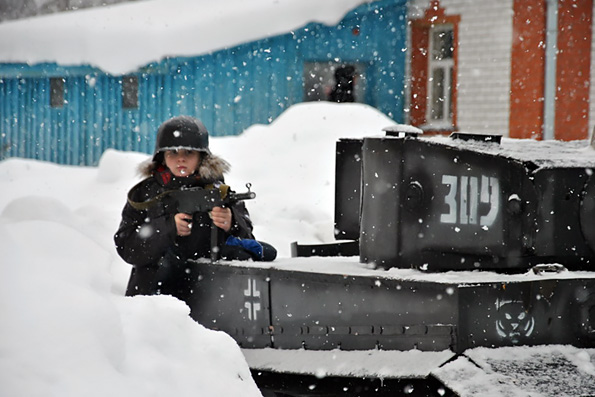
(485,37)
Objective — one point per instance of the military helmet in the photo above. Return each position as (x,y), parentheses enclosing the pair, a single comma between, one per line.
(181,132)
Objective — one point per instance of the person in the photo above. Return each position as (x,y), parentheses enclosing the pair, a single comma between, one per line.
(344,85)
(156,239)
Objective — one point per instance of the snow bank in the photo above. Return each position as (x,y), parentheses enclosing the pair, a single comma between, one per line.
(65,333)
(291,165)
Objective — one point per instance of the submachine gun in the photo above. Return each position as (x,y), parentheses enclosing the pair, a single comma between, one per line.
(198,199)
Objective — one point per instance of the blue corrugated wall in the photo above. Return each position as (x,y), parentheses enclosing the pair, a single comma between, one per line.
(229,90)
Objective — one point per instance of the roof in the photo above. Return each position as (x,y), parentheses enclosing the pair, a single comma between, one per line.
(123,37)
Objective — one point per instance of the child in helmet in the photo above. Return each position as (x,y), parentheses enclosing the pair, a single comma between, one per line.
(158,241)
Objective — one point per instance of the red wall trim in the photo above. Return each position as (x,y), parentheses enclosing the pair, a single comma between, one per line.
(572,69)
(419,73)
(527,69)
(420,29)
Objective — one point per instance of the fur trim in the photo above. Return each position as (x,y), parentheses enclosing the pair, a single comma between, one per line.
(211,168)
(147,167)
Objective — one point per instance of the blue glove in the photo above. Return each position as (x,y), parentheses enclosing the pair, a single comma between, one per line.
(252,246)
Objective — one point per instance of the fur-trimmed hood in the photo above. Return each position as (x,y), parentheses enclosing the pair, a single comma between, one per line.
(211,168)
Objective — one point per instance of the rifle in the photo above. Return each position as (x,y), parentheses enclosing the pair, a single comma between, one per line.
(197,199)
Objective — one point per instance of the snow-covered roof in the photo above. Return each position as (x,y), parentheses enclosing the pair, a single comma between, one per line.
(121,38)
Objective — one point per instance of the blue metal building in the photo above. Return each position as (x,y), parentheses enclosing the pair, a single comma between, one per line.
(72,114)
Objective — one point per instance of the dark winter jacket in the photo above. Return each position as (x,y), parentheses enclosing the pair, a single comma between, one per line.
(343,91)
(148,240)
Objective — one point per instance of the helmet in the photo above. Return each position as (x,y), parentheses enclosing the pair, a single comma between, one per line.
(181,132)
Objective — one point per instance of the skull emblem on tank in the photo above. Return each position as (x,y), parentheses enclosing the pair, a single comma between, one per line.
(513,321)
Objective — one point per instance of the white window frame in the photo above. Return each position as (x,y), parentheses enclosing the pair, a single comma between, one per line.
(446,65)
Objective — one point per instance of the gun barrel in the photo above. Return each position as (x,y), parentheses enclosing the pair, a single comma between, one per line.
(244,196)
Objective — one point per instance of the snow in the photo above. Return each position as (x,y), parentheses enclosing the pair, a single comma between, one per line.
(403,129)
(351,266)
(291,165)
(545,154)
(121,38)
(535,371)
(67,330)
(522,371)
(360,364)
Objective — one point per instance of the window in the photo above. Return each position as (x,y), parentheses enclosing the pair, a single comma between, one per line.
(433,89)
(57,92)
(129,92)
(441,66)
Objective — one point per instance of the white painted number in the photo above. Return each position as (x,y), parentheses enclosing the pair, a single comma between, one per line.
(471,194)
(450,199)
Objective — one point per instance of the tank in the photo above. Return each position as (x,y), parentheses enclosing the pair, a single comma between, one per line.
(444,245)
(465,202)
